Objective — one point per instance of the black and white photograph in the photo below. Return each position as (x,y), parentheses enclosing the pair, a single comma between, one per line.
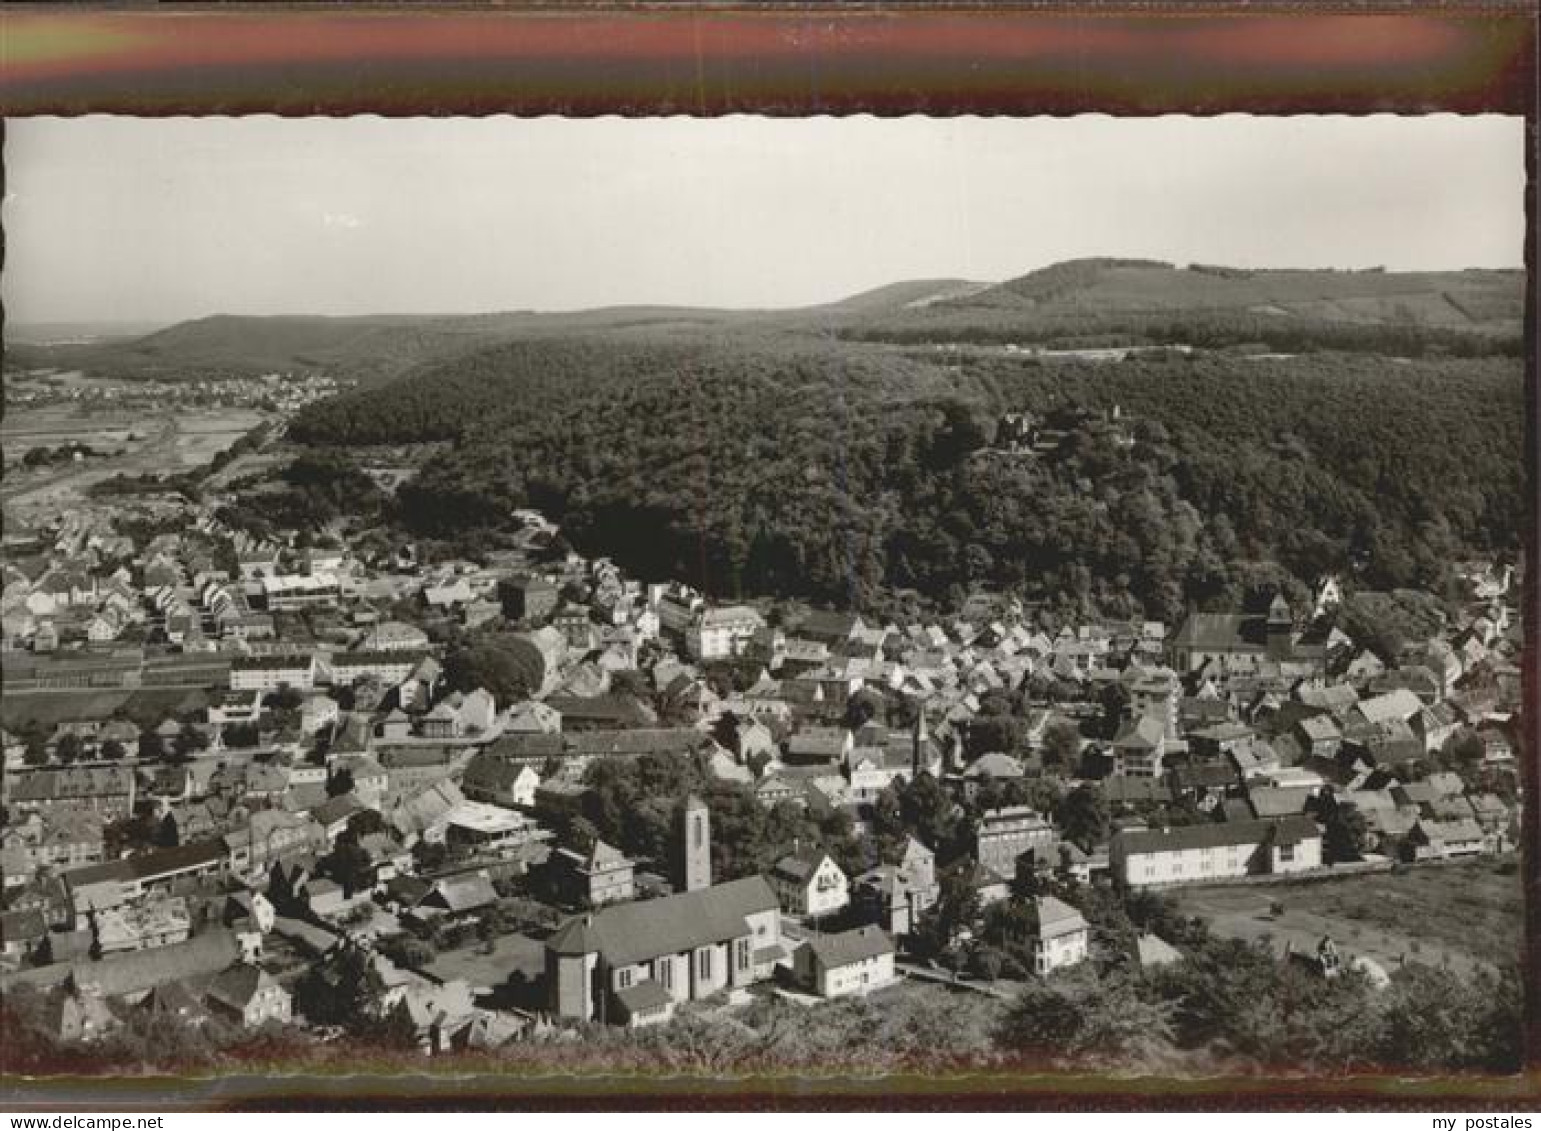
(827,597)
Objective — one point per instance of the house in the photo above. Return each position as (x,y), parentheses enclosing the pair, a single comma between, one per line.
(335,813)
(1059,934)
(1435,725)
(894,895)
(75,1010)
(1444,840)
(251,909)
(989,885)
(1208,852)
(1004,834)
(1400,705)
(1140,747)
(820,744)
(630,963)
(248,995)
(456,897)
(533,717)
(831,628)
(591,879)
(1363,668)
(59,837)
(477,712)
(318,713)
(851,962)
(22,934)
(810,884)
(1318,736)
(394,636)
(443,722)
(722,633)
(529,599)
(268,835)
(108,790)
(371,781)
(496,781)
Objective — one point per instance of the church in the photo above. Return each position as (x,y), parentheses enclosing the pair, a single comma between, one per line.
(632,963)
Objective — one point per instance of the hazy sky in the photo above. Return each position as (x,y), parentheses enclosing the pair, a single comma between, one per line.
(143,219)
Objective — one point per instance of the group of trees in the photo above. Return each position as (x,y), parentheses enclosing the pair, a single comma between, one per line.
(637,805)
(503,663)
(312,491)
(1231,1005)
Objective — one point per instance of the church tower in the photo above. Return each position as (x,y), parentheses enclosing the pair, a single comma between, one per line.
(920,744)
(1281,625)
(696,846)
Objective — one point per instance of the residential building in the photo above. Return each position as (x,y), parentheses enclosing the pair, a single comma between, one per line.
(810,884)
(1005,834)
(1139,750)
(1060,935)
(722,633)
(249,996)
(591,879)
(1209,852)
(849,963)
(894,895)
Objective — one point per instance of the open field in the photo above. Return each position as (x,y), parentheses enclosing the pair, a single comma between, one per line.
(154,443)
(1466,914)
(479,968)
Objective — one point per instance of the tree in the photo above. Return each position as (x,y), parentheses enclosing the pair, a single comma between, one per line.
(508,666)
(1463,750)
(862,707)
(350,864)
(188,742)
(152,748)
(1077,1017)
(1083,816)
(933,817)
(956,907)
(242,736)
(112,750)
(340,782)
(725,732)
(68,749)
(1346,834)
(36,752)
(340,991)
(167,835)
(1061,743)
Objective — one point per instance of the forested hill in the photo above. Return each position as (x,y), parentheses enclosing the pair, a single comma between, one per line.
(1081,302)
(1121,301)
(844,472)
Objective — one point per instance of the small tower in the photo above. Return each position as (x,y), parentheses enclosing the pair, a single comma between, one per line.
(696,846)
(920,743)
(1281,626)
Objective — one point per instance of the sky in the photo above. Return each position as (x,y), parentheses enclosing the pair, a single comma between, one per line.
(159,220)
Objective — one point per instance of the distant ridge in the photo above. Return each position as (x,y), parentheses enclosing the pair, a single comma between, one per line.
(1081,296)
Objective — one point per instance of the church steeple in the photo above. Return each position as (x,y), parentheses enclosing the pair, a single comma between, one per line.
(920,742)
(696,846)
